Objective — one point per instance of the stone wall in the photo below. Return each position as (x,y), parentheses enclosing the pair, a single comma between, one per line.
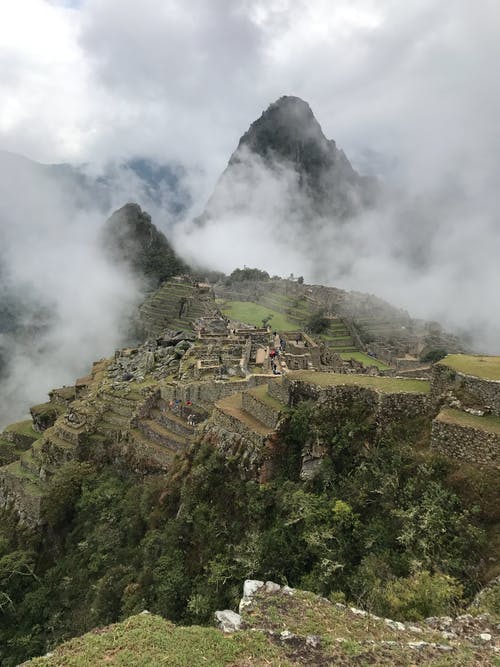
(466,443)
(260,410)
(234,440)
(387,408)
(471,391)
(278,390)
(209,391)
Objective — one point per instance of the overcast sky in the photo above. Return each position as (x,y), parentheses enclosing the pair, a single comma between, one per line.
(408,88)
(92,80)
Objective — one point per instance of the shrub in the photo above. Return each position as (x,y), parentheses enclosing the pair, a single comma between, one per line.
(420,595)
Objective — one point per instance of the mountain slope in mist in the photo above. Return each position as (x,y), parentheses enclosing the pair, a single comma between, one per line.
(286,146)
(130,238)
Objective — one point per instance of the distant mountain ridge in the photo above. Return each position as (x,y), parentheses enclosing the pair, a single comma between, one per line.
(82,186)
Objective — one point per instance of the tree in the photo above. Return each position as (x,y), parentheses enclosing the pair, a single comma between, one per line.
(318,323)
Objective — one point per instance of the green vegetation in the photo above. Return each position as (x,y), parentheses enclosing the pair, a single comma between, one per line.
(486,423)
(146,640)
(479,365)
(433,355)
(241,275)
(24,428)
(379,383)
(318,323)
(253,313)
(130,238)
(378,526)
(365,359)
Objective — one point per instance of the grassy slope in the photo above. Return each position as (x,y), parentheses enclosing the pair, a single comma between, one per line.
(147,640)
(480,366)
(345,639)
(383,384)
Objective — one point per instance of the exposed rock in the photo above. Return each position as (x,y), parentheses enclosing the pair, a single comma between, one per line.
(228,621)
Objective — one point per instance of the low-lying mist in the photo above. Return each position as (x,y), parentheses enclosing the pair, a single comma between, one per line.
(433,251)
(62,303)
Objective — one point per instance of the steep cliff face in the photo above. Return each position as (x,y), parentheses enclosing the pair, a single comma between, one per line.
(285,150)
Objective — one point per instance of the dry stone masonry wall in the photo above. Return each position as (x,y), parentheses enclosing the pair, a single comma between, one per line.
(465,442)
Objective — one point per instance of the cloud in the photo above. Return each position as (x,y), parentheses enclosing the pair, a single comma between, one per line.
(66,305)
(406,89)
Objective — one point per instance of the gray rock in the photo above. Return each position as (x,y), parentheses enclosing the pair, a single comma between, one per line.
(395,625)
(228,621)
(251,586)
(313,641)
(271,587)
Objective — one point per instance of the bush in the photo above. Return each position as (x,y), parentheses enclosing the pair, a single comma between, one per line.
(420,595)
(240,275)
(318,323)
(434,355)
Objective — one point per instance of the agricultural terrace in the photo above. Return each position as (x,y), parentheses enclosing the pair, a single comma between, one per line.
(365,359)
(488,423)
(388,385)
(252,313)
(486,367)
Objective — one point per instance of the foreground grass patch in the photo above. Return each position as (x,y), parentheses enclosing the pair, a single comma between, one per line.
(147,640)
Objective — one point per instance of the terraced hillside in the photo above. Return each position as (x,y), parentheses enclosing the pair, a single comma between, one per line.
(286,306)
(175,306)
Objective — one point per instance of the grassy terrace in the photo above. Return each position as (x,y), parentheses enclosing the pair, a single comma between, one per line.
(143,641)
(262,395)
(488,423)
(31,483)
(253,313)
(481,366)
(232,406)
(387,385)
(23,428)
(365,359)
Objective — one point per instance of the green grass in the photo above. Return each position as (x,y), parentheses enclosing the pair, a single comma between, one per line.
(487,423)
(147,641)
(365,359)
(23,428)
(253,313)
(481,366)
(388,385)
(262,394)
(345,639)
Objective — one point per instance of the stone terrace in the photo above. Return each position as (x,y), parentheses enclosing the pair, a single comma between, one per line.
(468,426)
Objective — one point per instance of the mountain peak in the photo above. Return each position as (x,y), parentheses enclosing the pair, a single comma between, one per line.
(284,130)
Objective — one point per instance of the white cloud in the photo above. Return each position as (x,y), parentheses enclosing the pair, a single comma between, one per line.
(413,82)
